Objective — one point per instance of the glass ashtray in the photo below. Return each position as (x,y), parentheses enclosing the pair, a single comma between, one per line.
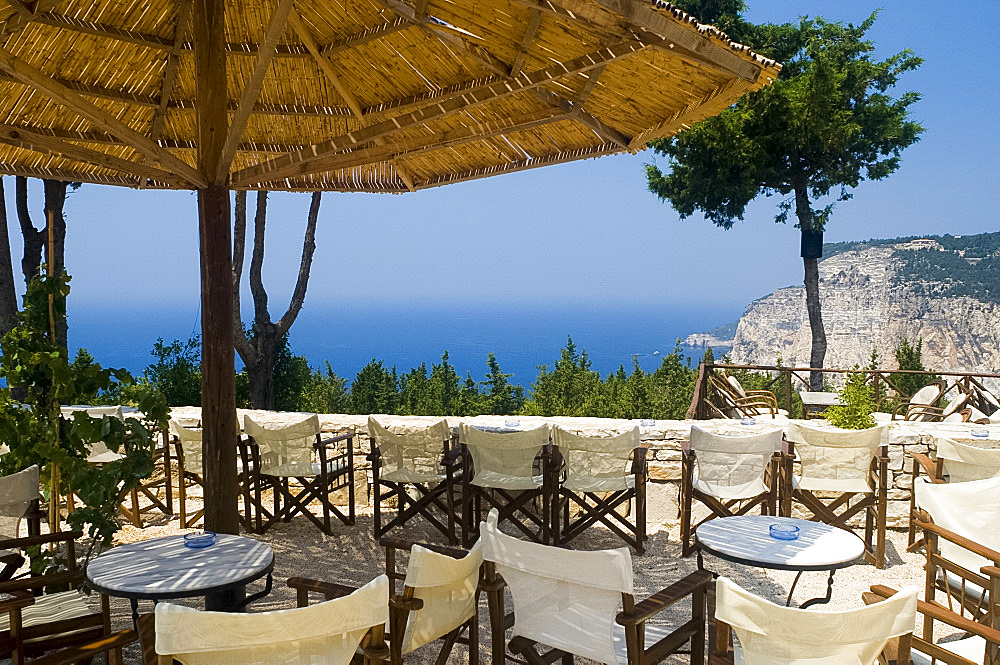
(980,432)
(784,531)
(647,422)
(512,423)
(747,421)
(199,539)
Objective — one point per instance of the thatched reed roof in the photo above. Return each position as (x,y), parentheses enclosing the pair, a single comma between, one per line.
(355,95)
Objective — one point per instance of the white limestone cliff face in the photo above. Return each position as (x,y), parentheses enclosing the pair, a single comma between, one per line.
(863,309)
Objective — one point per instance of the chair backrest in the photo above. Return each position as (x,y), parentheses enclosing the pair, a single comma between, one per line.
(962,462)
(970,509)
(190,439)
(417,454)
(285,448)
(17,491)
(327,633)
(565,599)
(596,464)
(93,411)
(955,405)
(771,634)
(736,385)
(835,460)
(448,588)
(928,395)
(510,454)
(729,466)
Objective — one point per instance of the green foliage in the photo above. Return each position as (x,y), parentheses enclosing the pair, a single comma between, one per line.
(858,399)
(176,371)
(375,389)
(565,390)
(825,125)
(35,432)
(909,357)
(291,375)
(501,397)
(324,392)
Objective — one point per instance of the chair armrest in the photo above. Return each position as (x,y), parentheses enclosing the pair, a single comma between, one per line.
(329,589)
(15,601)
(58,536)
(40,581)
(335,439)
(941,613)
(971,545)
(451,456)
(928,465)
(86,652)
(661,600)
(401,544)
(409,604)
(639,459)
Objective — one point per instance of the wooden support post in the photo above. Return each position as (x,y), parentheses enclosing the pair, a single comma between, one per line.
(218,389)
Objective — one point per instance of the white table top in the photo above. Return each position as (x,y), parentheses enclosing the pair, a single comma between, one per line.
(746,539)
(810,398)
(164,568)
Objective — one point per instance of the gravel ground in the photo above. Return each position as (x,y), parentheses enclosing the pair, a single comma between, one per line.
(350,556)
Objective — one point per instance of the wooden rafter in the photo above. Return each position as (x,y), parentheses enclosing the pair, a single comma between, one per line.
(21,8)
(170,72)
(365,36)
(712,103)
(30,75)
(297,163)
(534,21)
(102,138)
(67,175)
(328,70)
(51,145)
(20,20)
(252,89)
(588,87)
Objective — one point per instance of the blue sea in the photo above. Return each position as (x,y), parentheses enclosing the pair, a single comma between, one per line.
(350,335)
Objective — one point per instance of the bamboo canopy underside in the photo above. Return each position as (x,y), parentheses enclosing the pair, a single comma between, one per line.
(354,95)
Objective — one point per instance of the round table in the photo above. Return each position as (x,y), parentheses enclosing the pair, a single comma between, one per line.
(163,568)
(746,540)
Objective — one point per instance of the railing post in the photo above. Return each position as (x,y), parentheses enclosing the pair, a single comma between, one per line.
(788,391)
(878,389)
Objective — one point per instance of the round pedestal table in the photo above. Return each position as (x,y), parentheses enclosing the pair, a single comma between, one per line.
(746,540)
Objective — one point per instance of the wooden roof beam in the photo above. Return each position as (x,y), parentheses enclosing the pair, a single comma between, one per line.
(173,144)
(22,8)
(534,21)
(365,36)
(20,20)
(170,72)
(252,88)
(327,68)
(35,78)
(51,145)
(297,163)
(66,175)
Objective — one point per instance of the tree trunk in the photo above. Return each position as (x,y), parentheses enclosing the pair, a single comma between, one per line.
(55,200)
(261,373)
(8,294)
(803,211)
(34,240)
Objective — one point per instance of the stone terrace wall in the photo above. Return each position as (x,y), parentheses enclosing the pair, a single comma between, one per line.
(664,456)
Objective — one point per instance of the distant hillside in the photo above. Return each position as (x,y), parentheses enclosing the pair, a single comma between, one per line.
(944,290)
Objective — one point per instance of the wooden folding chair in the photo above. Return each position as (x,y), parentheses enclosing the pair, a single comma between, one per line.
(954,461)
(960,525)
(601,475)
(422,461)
(509,472)
(736,402)
(148,489)
(927,397)
(842,473)
(771,634)
(976,644)
(730,474)
(19,499)
(277,454)
(570,603)
(36,617)
(438,600)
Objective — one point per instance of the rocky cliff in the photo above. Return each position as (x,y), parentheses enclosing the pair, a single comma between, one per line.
(940,291)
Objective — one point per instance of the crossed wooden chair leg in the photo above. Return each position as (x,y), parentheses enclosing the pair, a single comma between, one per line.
(596,509)
(513,508)
(441,497)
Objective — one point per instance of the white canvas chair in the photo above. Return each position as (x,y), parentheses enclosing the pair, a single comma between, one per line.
(730,475)
(771,634)
(960,523)
(422,460)
(18,503)
(189,470)
(509,472)
(439,599)
(327,633)
(953,462)
(278,453)
(841,473)
(575,603)
(602,474)
(946,638)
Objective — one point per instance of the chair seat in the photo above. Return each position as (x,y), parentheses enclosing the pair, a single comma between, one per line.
(407,476)
(857,485)
(52,607)
(594,484)
(303,470)
(749,490)
(653,635)
(503,481)
(971,648)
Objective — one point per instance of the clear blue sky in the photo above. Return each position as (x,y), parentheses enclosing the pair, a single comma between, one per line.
(579,233)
